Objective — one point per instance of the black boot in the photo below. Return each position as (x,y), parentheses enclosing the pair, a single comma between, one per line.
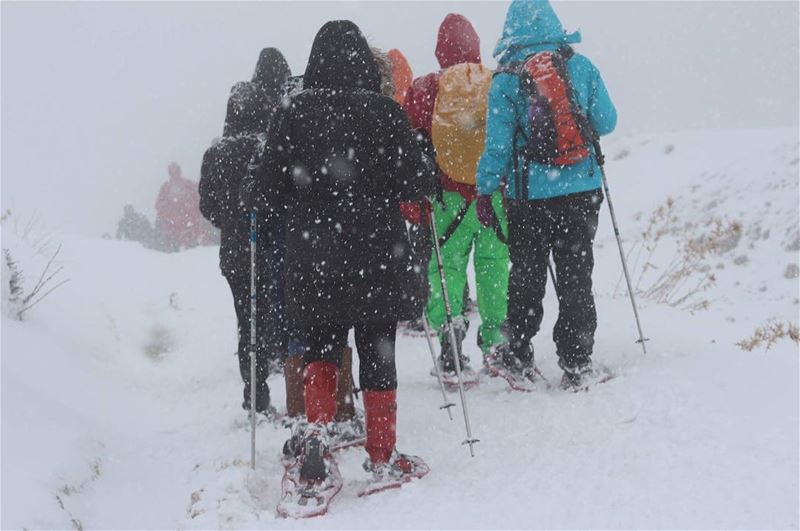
(520,374)
(263,404)
(447,363)
(575,375)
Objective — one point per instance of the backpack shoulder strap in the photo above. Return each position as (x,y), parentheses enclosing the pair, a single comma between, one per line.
(515,69)
(566,52)
(453,227)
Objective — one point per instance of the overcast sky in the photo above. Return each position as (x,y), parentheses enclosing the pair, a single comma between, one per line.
(97,98)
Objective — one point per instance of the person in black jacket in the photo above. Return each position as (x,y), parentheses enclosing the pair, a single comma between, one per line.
(250,107)
(341,157)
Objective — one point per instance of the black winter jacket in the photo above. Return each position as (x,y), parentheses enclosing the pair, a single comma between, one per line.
(341,157)
(250,108)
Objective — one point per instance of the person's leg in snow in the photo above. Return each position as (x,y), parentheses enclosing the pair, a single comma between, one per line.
(321,359)
(273,250)
(573,239)
(529,231)
(388,468)
(565,226)
(491,279)
(348,426)
(455,257)
(240,289)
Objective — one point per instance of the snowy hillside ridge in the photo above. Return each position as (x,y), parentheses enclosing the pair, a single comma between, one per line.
(718,224)
(121,397)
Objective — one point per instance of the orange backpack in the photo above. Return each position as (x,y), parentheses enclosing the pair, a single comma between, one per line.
(458,129)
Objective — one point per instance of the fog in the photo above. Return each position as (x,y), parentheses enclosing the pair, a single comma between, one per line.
(97,98)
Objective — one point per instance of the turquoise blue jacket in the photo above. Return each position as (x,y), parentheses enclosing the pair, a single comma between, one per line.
(532,26)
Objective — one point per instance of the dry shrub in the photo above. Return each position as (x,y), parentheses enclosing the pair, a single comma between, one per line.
(686,275)
(769,334)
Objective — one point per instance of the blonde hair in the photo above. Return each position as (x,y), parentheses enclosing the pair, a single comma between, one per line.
(385,67)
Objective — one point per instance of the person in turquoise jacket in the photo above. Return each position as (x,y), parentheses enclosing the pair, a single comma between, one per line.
(550,209)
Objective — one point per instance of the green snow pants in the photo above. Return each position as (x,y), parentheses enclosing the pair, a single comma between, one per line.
(491,268)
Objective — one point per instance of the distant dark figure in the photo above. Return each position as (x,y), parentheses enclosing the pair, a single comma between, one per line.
(134,226)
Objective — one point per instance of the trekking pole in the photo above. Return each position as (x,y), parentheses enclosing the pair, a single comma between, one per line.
(435,235)
(601,161)
(552,275)
(253,339)
(446,405)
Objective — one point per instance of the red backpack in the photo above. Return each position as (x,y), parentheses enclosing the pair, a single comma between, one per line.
(560,134)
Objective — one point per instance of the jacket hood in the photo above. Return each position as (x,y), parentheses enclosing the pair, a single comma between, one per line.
(458,42)
(272,70)
(341,59)
(248,110)
(531,26)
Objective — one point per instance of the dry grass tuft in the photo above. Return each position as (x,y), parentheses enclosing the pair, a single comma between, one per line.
(686,275)
(769,334)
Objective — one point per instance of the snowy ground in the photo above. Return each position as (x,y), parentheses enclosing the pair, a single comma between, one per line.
(120,394)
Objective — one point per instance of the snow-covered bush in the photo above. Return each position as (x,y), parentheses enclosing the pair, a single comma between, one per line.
(27,250)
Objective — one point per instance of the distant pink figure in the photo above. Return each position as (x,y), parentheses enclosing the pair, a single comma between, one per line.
(178,220)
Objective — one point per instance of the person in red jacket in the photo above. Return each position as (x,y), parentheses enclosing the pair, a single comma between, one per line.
(179,223)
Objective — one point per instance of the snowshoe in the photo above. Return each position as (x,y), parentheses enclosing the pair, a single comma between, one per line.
(446,360)
(347,433)
(264,415)
(583,377)
(340,435)
(470,376)
(520,376)
(400,469)
(312,479)
(414,328)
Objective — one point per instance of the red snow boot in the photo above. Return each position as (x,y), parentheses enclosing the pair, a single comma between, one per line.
(389,469)
(380,408)
(319,378)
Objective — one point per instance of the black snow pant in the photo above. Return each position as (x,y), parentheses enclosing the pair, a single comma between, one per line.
(422,246)
(374,343)
(565,226)
(239,282)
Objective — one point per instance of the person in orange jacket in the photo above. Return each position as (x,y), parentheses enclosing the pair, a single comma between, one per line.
(401,74)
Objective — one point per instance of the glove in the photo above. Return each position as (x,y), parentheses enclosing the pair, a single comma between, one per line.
(414,212)
(485,211)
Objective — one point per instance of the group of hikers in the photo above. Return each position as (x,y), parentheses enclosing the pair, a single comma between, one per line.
(365,183)
(179,224)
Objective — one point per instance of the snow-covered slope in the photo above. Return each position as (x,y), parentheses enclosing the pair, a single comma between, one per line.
(121,399)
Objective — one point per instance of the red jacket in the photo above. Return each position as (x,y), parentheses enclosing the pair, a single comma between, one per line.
(178,214)
(457,43)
